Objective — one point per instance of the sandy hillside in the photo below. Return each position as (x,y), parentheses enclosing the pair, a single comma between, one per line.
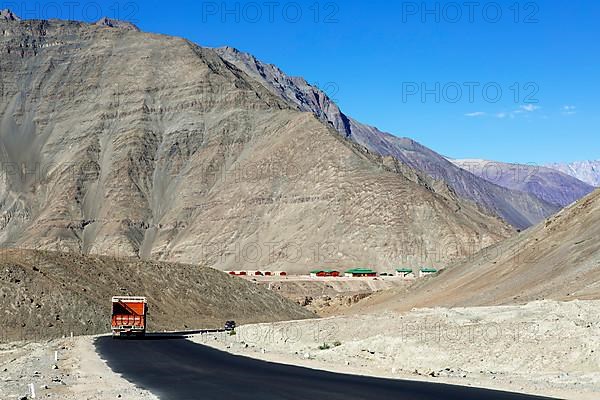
(545,348)
(558,259)
(47,294)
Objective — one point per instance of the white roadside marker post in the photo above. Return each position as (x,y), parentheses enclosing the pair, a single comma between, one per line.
(56,356)
(32,390)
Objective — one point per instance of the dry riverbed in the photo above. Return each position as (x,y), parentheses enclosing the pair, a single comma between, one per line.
(545,348)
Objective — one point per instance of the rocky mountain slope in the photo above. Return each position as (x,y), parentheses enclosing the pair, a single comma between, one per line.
(8,15)
(558,259)
(545,183)
(586,171)
(50,294)
(125,143)
(517,208)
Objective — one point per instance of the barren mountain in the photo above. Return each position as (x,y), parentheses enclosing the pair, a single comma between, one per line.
(586,171)
(517,208)
(49,294)
(8,15)
(548,184)
(119,142)
(115,23)
(558,259)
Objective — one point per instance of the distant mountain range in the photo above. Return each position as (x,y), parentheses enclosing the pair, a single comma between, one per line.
(548,184)
(520,209)
(586,171)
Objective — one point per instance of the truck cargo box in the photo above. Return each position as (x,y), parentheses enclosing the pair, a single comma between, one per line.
(128,316)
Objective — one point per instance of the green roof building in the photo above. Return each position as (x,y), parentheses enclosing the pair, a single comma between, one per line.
(427,271)
(358,272)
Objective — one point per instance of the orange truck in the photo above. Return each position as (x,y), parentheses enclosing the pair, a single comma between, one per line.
(129,316)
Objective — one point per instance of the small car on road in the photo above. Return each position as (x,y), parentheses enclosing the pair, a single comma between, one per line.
(230,325)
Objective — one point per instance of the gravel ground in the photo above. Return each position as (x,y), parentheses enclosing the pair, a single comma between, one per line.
(545,348)
(78,374)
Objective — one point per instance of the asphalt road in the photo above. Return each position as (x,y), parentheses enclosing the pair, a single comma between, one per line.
(177,369)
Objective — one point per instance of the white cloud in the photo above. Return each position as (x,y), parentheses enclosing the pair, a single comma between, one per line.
(530,107)
(569,110)
(522,110)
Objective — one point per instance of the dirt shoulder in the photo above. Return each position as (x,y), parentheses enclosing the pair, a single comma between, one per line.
(543,348)
(78,374)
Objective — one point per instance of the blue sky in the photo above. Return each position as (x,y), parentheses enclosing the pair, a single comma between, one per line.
(432,71)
